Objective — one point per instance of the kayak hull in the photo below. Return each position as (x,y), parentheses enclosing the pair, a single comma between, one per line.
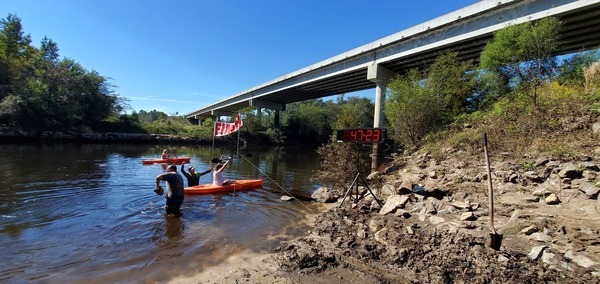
(237,185)
(177,161)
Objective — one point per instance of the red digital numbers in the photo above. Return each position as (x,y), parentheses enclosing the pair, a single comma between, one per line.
(367,135)
(376,135)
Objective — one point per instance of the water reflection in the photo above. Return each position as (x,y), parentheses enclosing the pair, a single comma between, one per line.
(71,213)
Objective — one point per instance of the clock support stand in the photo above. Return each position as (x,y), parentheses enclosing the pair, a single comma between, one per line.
(353,192)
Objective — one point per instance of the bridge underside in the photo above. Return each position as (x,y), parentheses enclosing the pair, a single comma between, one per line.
(581,30)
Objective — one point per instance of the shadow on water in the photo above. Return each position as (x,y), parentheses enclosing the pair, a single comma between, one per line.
(75,213)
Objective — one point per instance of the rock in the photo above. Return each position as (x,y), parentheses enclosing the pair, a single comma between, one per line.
(512,227)
(373,175)
(536,252)
(533,176)
(589,175)
(393,202)
(513,178)
(419,190)
(387,190)
(552,199)
(433,175)
(548,257)
(590,166)
(436,220)
(529,230)
(590,190)
(596,128)
(422,214)
(540,237)
(431,206)
(468,216)
(361,233)
(502,259)
(461,205)
(468,225)
(286,198)
(405,187)
(541,192)
(541,162)
(375,225)
(579,259)
(570,171)
(374,204)
(381,236)
(531,199)
(403,213)
(323,195)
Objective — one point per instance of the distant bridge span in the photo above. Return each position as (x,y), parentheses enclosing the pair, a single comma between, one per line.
(465,31)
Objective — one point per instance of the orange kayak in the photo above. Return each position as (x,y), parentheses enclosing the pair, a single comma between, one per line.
(237,185)
(177,161)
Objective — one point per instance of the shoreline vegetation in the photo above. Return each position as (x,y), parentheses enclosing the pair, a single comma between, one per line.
(16,136)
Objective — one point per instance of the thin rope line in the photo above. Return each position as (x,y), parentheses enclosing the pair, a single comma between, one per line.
(277,184)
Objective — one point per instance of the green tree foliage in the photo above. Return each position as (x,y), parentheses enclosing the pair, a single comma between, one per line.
(15,56)
(307,121)
(354,113)
(151,116)
(39,91)
(339,164)
(524,54)
(411,109)
(452,81)
(571,69)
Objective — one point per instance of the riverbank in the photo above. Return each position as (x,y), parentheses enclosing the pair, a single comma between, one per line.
(12,136)
(18,136)
(434,227)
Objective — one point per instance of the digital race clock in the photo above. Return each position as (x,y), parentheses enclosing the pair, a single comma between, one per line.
(361,135)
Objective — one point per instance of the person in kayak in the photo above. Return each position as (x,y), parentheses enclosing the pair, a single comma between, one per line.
(174,194)
(193,178)
(165,154)
(218,172)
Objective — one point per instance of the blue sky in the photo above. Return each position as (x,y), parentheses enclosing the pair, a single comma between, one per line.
(178,56)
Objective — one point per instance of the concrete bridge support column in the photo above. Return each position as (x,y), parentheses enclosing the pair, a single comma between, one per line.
(277,119)
(380,76)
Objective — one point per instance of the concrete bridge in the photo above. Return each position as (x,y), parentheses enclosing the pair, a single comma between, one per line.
(465,31)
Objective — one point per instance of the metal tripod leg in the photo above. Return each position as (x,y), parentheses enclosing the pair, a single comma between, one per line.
(359,195)
(350,189)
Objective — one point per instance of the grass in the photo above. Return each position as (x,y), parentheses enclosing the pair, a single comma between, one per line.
(554,127)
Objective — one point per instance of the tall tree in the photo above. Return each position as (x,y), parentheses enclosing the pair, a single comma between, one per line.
(15,56)
(524,54)
(354,113)
(411,109)
(307,121)
(49,50)
(450,80)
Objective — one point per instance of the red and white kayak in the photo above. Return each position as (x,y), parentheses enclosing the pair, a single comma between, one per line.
(177,161)
(237,185)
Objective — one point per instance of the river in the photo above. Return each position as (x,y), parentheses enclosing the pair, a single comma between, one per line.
(88,213)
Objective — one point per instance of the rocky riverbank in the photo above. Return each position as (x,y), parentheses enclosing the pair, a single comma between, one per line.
(433,226)
(434,223)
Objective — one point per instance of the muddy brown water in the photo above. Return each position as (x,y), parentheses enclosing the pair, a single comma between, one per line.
(88,213)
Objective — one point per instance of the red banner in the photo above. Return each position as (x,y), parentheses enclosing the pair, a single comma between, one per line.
(224,128)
